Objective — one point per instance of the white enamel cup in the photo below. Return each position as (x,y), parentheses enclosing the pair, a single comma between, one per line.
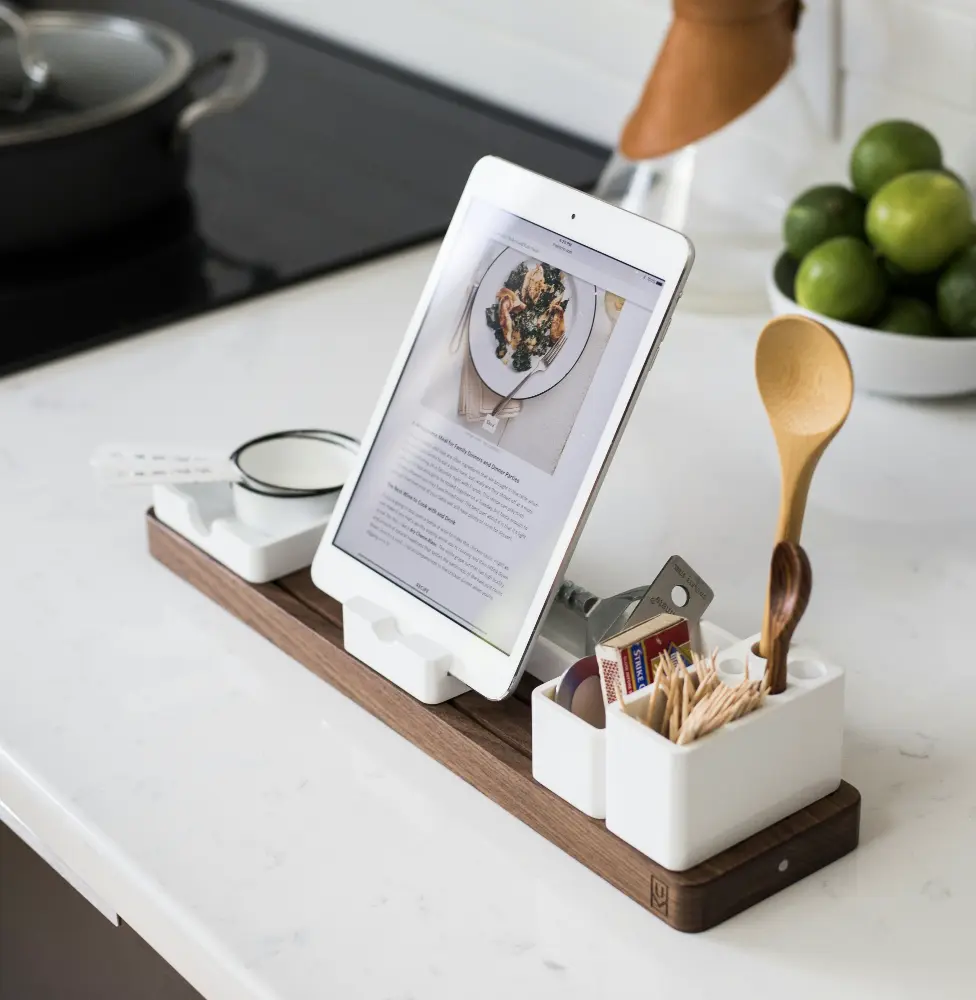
(291,479)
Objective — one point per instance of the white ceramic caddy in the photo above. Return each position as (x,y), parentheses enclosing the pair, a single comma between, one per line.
(680,805)
(569,755)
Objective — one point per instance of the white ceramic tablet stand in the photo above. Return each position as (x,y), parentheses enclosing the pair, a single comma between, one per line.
(417,664)
(205,514)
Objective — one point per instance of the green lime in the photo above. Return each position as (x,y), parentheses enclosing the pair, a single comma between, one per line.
(820,214)
(919,220)
(914,286)
(905,315)
(957,294)
(888,150)
(841,279)
(957,178)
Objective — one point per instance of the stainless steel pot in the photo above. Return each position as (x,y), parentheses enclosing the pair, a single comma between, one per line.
(95,112)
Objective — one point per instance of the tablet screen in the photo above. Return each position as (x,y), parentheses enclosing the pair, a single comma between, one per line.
(495,419)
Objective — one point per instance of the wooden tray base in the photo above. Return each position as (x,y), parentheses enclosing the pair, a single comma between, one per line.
(489,745)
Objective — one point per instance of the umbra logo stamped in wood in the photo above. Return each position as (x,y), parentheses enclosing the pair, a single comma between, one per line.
(659,897)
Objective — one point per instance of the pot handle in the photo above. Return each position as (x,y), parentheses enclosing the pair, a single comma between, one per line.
(245,62)
(36,71)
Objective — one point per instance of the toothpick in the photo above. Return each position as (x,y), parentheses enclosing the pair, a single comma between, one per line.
(687,692)
(689,731)
(650,700)
(716,706)
(659,708)
(675,722)
(706,687)
(688,675)
(719,702)
(713,665)
(666,664)
(661,667)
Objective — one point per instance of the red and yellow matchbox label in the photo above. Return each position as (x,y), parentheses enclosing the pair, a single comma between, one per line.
(629,657)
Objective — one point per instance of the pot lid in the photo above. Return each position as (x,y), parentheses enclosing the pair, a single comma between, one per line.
(95,69)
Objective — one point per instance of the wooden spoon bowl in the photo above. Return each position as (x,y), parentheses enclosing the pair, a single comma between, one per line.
(790,584)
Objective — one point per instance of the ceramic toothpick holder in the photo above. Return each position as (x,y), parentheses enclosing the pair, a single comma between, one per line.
(569,755)
(680,805)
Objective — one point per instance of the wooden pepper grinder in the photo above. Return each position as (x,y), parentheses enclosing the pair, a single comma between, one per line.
(720,57)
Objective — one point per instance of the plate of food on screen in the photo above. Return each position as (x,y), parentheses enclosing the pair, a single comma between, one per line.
(523,308)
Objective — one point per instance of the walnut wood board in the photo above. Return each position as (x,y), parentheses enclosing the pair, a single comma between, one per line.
(489,744)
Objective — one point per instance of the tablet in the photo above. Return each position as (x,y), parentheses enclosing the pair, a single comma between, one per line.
(540,320)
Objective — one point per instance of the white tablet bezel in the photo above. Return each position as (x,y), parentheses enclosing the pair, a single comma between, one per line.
(564,211)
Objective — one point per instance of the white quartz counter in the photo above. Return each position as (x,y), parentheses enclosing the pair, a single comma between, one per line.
(271,839)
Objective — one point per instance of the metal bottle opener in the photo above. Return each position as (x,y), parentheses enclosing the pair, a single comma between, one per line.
(677,590)
(605,616)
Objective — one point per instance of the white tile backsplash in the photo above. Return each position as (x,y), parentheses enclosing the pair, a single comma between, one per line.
(922,48)
(581,63)
(867,100)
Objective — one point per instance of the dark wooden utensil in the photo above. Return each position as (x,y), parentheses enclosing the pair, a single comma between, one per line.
(790,583)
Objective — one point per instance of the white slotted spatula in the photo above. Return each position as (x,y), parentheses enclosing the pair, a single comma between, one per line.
(132,465)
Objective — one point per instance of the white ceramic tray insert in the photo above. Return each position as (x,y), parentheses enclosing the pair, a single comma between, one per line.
(203,513)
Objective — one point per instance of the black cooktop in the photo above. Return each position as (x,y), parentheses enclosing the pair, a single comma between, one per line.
(336,159)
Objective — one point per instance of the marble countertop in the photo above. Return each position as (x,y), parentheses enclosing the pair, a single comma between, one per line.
(272,840)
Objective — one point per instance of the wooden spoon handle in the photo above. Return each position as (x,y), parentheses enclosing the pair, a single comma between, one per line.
(793,497)
(792,507)
(776,664)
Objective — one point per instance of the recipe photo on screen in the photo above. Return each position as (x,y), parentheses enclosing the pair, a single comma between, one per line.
(496,417)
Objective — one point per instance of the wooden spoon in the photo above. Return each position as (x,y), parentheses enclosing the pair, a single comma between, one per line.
(807,386)
(790,583)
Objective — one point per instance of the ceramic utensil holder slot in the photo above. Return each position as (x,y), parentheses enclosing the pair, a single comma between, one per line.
(681,805)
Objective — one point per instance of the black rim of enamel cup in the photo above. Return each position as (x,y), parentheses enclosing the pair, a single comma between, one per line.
(254,485)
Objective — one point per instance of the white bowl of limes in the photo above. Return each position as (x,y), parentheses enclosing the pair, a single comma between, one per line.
(890,267)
